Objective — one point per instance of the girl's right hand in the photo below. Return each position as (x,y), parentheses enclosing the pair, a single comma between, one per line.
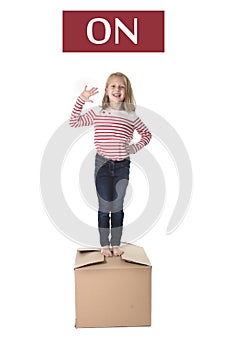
(86,94)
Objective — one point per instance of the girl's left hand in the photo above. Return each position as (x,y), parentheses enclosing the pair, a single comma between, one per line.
(129,148)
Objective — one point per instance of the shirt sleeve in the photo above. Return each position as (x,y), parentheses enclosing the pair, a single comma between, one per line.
(142,129)
(77,119)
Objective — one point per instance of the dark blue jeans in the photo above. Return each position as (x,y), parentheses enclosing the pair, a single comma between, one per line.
(111,180)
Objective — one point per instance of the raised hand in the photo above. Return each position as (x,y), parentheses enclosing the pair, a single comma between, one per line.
(86,94)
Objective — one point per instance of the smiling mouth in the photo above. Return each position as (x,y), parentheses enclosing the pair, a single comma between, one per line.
(116,95)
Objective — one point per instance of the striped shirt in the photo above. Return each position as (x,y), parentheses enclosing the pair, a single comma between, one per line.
(113,129)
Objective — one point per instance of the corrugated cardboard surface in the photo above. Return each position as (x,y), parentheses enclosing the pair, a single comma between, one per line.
(114,291)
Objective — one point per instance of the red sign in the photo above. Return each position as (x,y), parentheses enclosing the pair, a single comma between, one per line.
(113,31)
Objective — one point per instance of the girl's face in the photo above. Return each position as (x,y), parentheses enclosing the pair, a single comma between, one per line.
(116,91)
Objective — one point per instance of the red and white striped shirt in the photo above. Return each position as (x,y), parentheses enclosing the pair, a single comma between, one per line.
(113,129)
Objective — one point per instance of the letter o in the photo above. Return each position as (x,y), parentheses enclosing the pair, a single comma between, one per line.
(90,31)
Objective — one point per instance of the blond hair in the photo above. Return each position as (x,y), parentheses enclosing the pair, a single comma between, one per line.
(129,101)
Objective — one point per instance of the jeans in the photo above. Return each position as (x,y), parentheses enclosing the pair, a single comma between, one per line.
(111,180)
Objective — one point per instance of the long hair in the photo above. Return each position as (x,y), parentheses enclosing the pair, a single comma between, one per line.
(129,101)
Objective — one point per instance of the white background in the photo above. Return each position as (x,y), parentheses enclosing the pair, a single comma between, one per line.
(190,85)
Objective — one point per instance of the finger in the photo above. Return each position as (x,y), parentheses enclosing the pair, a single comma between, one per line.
(94,90)
(94,93)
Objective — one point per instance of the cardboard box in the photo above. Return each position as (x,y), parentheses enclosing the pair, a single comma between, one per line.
(113,291)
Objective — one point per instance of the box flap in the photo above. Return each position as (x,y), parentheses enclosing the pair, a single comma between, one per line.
(84,258)
(91,256)
(135,254)
(88,249)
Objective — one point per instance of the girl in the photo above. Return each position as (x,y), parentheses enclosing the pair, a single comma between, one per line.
(114,124)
